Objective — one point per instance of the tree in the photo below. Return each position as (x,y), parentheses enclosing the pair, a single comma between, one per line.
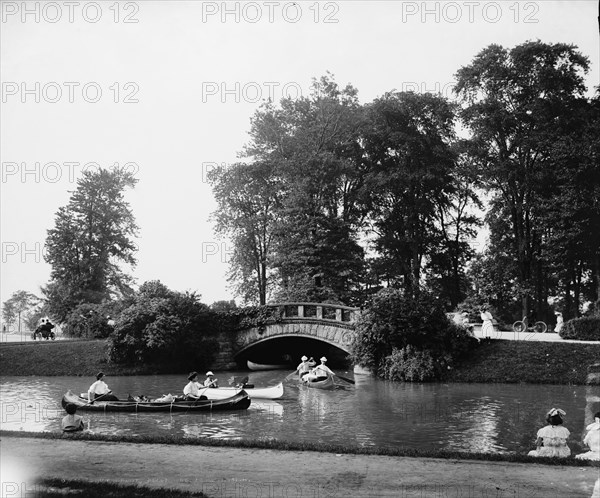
(408,148)
(446,270)
(248,198)
(20,302)
(92,236)
(314,143)
(516,104)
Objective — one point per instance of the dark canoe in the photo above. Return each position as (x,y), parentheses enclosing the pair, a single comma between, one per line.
(240,401)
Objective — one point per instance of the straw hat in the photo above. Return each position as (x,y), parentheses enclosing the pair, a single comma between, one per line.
(209,374)
(304,358)
(323,359)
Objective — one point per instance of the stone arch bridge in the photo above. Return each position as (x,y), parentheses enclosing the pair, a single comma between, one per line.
(301,328)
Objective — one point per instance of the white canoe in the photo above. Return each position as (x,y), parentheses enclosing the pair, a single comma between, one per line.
(273,392)
(261,366)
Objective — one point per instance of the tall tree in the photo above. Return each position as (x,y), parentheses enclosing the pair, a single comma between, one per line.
(457,222)
(314,143)
(515,103)
(408,149)
(92,236)
(571,209)
(248,198)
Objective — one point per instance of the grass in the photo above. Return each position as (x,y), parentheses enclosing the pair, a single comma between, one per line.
(274,444)
(52,487)
(496,361)
(65,358)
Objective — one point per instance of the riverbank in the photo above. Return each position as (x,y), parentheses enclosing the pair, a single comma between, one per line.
(226,471)
(64,358)
(501,361)
(494,361)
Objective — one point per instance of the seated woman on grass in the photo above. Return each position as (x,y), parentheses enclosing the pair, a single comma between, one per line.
(552,439)
(592,439)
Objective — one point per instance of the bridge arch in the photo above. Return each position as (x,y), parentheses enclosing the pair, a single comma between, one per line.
(328,324)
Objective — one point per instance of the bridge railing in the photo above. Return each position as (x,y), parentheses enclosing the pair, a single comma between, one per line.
(318,311)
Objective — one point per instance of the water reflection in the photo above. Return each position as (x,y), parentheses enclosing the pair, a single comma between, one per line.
(461,417)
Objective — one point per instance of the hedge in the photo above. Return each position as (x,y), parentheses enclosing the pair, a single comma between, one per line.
(586,328)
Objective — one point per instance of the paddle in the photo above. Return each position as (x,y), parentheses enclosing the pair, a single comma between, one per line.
(346,379)
(96,399)
(206,387)
(288,377)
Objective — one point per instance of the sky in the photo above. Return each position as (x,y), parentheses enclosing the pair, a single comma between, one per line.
(167,89)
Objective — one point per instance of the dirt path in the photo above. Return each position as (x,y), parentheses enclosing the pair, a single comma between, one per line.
(233,473)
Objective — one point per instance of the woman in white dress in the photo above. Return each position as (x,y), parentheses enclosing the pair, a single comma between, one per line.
(559,322)
(552,439)
(487,329)
(592,439)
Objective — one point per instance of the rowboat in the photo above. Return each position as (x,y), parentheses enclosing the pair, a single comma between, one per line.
(239,401)
(261,366)
(273,392)
(327,383)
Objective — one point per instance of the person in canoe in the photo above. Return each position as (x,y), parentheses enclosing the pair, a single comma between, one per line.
(100,391)
(304,367)
(210,380)
(192,390)
(320,372)
(72,422)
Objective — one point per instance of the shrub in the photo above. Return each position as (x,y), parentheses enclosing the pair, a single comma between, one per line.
(393,321)
(410,364)
(164,326)
(90,320)
(586,328)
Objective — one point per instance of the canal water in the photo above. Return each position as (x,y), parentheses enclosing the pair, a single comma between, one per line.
(495,418)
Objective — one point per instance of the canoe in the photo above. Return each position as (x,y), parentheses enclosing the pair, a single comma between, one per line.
(239,401)
(273,392)
(261,366)
(328,383)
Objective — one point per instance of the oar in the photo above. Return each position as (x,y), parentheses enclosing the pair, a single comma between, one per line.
(96,399)
(206,387)
(345,378)
(288,377)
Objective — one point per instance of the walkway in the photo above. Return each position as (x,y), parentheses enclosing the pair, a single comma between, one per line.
(233,472)
(528,336)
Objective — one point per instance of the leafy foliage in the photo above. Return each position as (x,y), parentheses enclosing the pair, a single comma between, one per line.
(585,328)
(408,149)
(519,104)
(164,326)
(92,235)
(91,320)
(20,303)
(393,321)
(410,364)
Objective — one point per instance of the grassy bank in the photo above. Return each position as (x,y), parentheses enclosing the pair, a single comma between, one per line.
(492,361)
(528,362)
(84,358)
(274,444)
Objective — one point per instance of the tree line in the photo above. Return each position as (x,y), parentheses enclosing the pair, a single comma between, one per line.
(333,199)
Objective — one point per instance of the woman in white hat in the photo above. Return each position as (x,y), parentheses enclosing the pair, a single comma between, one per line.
(210,380)
(303,368)
(320,372)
